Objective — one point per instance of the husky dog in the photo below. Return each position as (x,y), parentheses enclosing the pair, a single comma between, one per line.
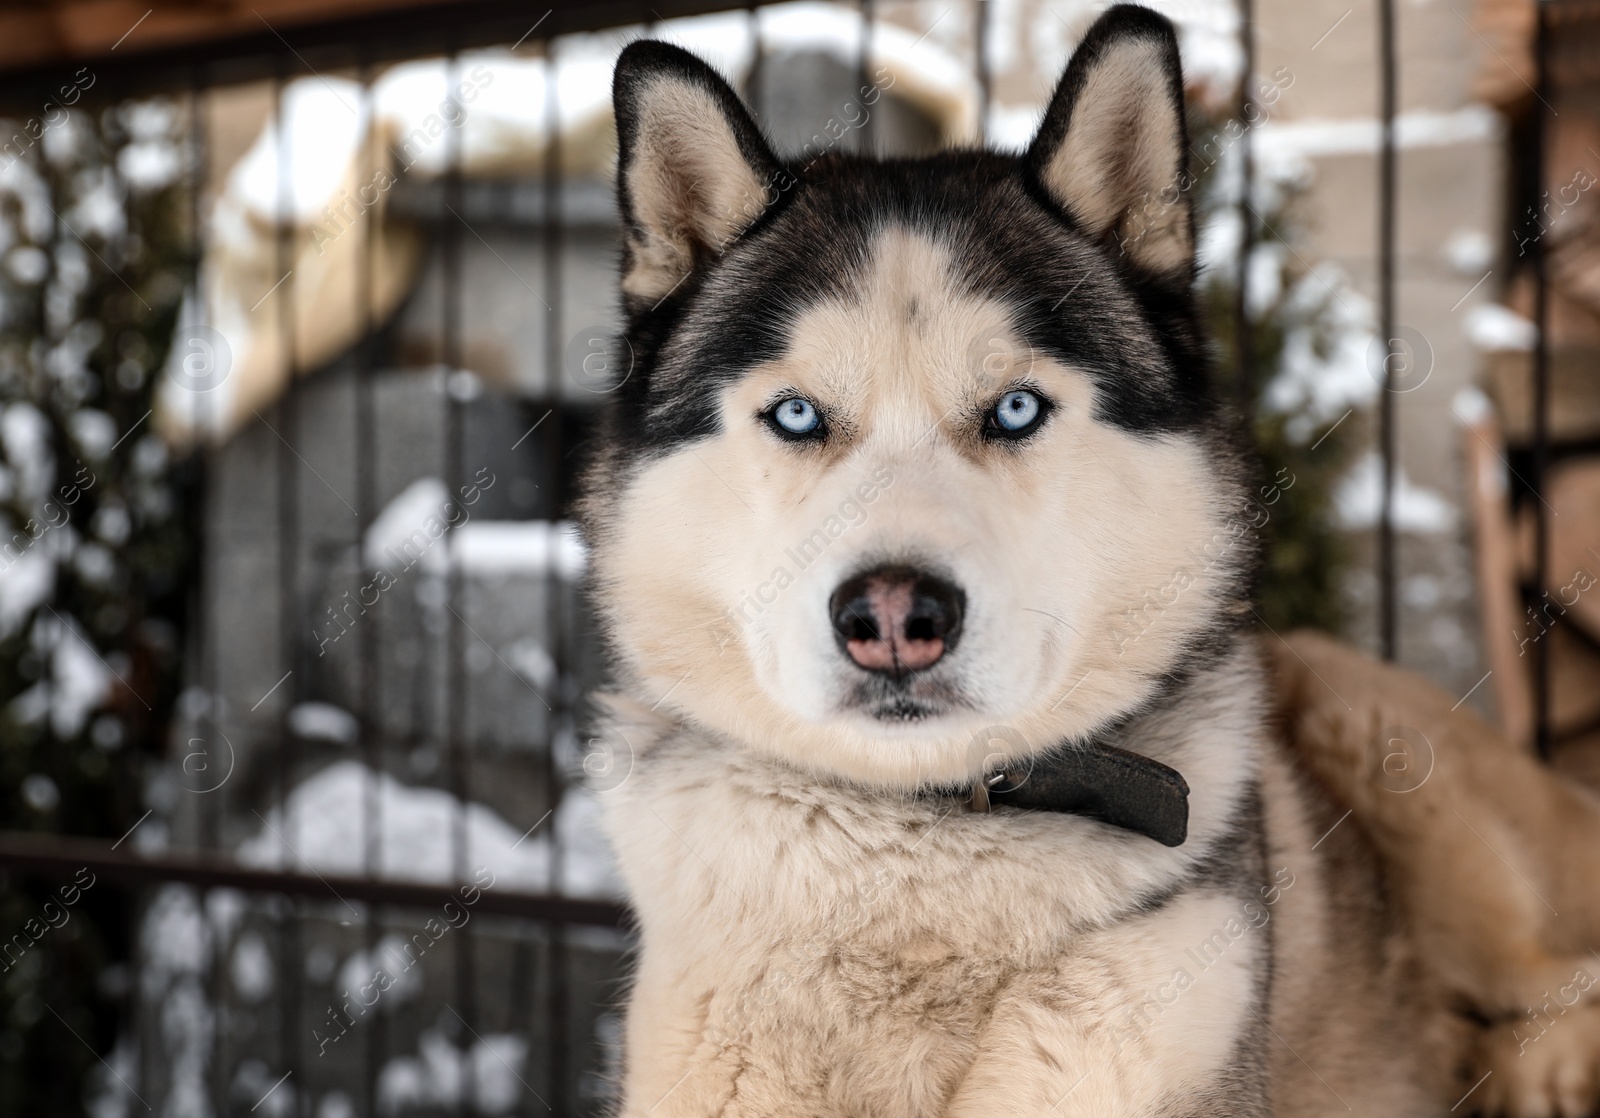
(925,554)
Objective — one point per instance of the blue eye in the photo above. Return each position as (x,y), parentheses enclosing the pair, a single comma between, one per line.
(797,416)
(1017,412)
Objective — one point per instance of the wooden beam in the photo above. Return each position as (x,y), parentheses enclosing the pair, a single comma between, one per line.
(81,30)
(209,42)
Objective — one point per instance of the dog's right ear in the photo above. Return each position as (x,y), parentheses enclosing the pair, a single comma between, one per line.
(693,171)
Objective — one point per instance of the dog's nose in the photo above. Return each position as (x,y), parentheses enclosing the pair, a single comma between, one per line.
(896,620)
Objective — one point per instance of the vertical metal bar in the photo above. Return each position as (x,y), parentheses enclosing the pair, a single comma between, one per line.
(980,45)
(1243,334)
(1541,382)
(206,582)
(289,604)
(863,79)
(460,760)
(556,381)
(758,59)
(375,1046)
(210,836)
(1388,617)
(520,1011)
(524,1006)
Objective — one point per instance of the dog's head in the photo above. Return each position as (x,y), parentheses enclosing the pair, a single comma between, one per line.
(914,449)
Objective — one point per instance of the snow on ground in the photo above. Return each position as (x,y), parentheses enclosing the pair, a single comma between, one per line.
(403,534)
(533,548)
(435,1076)
(78,681)
(323,830)
(323,722)
(1328,370)
(389,957)
(27,582)
(1420,128)
(1496,328)
(1416,509)
(392,540)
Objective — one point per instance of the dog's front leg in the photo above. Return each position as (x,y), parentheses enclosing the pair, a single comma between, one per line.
(1130,1020)
(697,1048)
(1037,1061)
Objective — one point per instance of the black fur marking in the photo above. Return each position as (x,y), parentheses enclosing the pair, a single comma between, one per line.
(1077,298)
(1070,297)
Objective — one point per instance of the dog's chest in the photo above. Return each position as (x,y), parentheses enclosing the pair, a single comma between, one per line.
(732,853)
(866,952)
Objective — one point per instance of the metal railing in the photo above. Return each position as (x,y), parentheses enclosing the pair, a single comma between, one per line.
(538,940)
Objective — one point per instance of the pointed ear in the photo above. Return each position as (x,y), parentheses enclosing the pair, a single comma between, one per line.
(1112,149)
(693,171)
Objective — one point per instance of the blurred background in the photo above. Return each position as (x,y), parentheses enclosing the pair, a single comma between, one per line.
(306,312)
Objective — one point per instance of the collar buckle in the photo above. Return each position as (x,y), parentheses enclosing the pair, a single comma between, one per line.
(980,791)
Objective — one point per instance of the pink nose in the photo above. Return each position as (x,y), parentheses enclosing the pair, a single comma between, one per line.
(896,620)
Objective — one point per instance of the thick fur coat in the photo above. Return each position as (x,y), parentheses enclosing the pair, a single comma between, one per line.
(967,398)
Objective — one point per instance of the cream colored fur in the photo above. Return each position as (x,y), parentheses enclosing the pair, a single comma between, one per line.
(812,949)
(699,531)
(696,195)
(820,934)
(815,941)
(1493,858)
(1121,169)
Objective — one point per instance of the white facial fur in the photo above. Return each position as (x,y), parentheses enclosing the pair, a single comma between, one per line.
(1083,552)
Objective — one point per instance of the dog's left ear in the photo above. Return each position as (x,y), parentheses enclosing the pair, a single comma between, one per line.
(693,171)
(1112,148)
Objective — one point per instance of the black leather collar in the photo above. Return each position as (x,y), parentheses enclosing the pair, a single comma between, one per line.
(1100,781)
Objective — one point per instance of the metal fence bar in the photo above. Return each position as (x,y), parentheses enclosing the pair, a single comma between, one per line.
(980,66)
(555,381)
(289,583)
(864,76)
(1243,336)
(369,740)
(1387,430)
(205,638)
(753,88)
(458,749)
(53,856)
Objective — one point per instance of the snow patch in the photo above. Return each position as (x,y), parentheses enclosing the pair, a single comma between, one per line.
(1323,374)
(1357,136)
(527,547)
(251,967)
(326,818)
(1471,406)
(434,1077)
(323,722)
(1494,328)
(1469,252)
(398,533)
(1357,497)
(390,957)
